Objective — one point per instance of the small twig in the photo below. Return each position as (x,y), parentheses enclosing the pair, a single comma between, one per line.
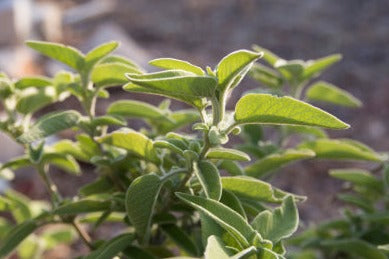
(83,234)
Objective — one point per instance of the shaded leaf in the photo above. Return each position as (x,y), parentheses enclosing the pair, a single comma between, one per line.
(355,247)
(112,247)
(209,178)
(181,238)
(358,177)
(227,154)
(36,81)
(233,168)
(33,99)
(268,109)
(171,63)
(135,109)
(111,74)
(82,206)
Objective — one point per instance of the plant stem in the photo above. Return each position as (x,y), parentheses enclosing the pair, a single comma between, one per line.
(82,233)
(51,187)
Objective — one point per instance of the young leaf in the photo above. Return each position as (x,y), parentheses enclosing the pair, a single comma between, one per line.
(291,70)
(279,224)
(98,53)
(112,247)
(141,197)
(250,188)
(63,161)
(177,120)
(100,185)
(111,74)
(266,165)
(228,198)
(181,238)
(268,109)
(268,56)
(227,154)
(215,249)
(121,60)
(358,201)
(65,54)
(266,76)
(233,168)
(135,109)
(171,63)
(50,124)
(315,67)
(234,65)
(33,99)
(341,149)
(36,81)
(227,218)
(354,247)
(358,177)
(209,178)
(132,141)
(177,84)
(82,206)
(106,120)
(16,236)
(326,92)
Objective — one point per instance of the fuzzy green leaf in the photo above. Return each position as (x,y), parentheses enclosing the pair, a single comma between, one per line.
(227,218)
(209,178)
(215,249)
(111,74)
(231,200)
(268,56)
(181,238)
(233,67)
(341,149)
(250,188)
(177,120)
(227,154)
(266,165)
(98,53)
(266,76)
(36,81)
(65,54)
(315,67)
(33,99)
(329,93)
(177,84)
(132,141)
(135,109)
(358,177)
(171,63)
(233,168)
(268,109)
(16,236)
(50,124)
(141,198)
(279,224)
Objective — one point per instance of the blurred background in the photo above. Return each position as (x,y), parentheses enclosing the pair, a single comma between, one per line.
(203,31)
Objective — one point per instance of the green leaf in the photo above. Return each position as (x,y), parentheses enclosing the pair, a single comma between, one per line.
(358,177)
(341,149)
(227,218)
(98,53)
(268,56)
(63,161)
(233,67)
(106,120)
(268,109)
(314,67)
(33,99)
(357,200)
(82,206)
(135,109)
(354,247)
(16,236)
(266,76)
(291,69)
(326,92)
(181,238)
(306,130)
(209,178)
(50,124)
(250,188)
(266,165)
(112,247)
(36,81)
(168,145)
(177,120)
(227,154)
(229,198)
(100,185)
(215,249)
(65,54)
(279,224)
(141,198)
(177,84)
(121,60)
(58,235)
(132,141)
(171,63)
(233,168)
(111,74)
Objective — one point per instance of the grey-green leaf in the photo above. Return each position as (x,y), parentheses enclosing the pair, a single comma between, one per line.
(279,224)
(50,124)
(234,65)
(268,164)
(171,63)
(209,178)
(227,218)
(329,93)
(141,198)
(135,109)
(355,247)
(227,154)
(181,238)
(16,236)
(65,54)
(315,67)
(341,149)
(82,206)
(111,74)
(112,247)
(358,177)
(215,249)
(268,109)
(98,53)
